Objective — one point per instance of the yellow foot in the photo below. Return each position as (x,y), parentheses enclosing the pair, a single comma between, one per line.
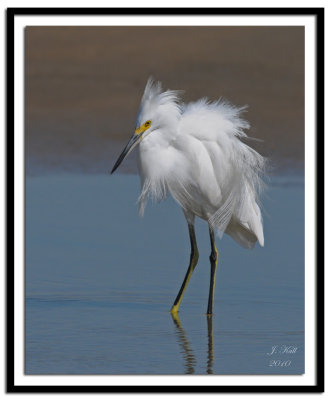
(174,309)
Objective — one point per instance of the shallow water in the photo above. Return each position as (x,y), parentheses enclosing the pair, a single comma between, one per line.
(100,282)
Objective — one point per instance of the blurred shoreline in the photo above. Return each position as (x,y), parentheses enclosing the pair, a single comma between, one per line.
(83,87)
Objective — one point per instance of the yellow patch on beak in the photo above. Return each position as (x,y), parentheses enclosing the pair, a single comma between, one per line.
(139,130)
(143,128)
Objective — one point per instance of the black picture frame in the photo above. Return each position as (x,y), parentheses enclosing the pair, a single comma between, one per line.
(318,13)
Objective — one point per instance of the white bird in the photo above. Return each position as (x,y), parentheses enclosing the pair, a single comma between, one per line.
(195,152)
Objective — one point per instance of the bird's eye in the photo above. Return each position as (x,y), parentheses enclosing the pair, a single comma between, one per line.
(147,124)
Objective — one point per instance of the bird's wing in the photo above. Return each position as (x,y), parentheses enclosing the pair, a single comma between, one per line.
(229,170)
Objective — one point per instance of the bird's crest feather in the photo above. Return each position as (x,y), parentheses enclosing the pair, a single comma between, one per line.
(155,97)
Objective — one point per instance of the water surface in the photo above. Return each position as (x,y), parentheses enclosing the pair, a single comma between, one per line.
(100,282)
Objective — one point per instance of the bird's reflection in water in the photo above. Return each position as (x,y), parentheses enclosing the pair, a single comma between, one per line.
(189,357)
(210,359)
(185,345)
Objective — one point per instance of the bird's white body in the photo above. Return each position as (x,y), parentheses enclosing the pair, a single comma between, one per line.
(195,152)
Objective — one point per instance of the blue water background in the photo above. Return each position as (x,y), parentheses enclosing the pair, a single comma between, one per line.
(100,282)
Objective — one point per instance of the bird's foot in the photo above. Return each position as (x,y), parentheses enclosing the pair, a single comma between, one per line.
(174,309)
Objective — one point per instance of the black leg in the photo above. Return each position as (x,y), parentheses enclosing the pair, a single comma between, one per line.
(193,262)
(213,265)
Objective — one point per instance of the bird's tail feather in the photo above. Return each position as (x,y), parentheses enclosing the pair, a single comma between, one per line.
(244,236)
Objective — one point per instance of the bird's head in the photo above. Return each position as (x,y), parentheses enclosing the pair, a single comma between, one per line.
(158,111)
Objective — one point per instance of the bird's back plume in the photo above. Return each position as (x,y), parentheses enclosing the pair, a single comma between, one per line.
(198,155)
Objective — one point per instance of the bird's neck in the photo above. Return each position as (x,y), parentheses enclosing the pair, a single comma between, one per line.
(155,153)
(159,139)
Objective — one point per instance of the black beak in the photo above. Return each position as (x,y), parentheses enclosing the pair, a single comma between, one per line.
(128,148)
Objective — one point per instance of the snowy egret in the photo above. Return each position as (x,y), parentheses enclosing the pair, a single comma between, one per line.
(195,152)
